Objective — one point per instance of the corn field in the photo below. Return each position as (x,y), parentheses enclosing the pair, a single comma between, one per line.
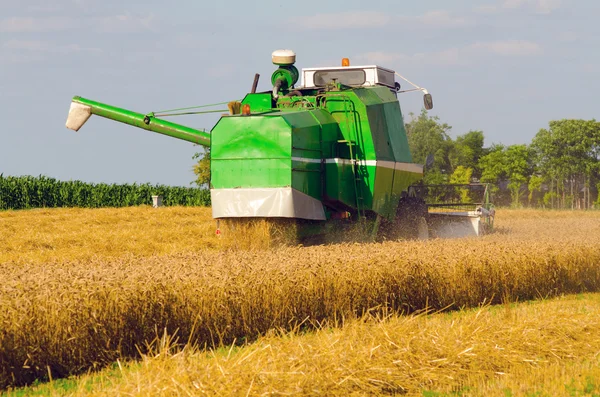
(27,192)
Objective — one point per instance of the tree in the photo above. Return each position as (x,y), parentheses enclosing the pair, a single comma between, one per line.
(535,185)
(467,150)
(567,156)
(426,135)
(202,168)
(518,170)
(511,164)
(493,165)
(462,175)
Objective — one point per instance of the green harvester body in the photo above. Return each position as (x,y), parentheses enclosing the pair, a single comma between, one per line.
(333,148)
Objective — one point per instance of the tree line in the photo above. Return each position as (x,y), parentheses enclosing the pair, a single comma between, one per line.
(560,168)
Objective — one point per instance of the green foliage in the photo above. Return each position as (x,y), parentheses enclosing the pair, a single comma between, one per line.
(493,165)
(518,169)
(462,175)
(535,185)
(560,169)
(512,164)
(567,155)
(27,192)
(467,151)
(426,135)
(202,168)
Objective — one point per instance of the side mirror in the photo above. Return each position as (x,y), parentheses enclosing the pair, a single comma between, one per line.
(428,101)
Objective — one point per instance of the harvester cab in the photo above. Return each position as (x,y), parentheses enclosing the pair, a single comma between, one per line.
(331,151)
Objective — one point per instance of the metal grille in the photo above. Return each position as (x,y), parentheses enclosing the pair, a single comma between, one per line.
(453,197)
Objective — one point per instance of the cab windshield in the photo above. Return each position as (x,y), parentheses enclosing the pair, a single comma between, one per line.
(346,77)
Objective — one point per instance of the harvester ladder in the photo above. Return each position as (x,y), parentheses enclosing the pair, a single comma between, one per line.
(357,172)
(357,176)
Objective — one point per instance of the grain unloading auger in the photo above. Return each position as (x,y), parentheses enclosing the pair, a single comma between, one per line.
(330,153)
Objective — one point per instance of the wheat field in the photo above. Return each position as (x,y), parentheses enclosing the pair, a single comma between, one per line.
(545,348)
(83,288)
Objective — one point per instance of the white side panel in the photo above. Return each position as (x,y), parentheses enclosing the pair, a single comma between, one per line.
(78,115)
(265,202)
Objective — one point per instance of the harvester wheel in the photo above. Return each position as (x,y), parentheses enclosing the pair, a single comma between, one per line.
(411,219)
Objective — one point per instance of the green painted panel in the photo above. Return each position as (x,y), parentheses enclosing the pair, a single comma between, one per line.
(379,130)
(330,131)
(236,173)
(350,113)
(403,179)
(339,183)
(306,134)
(396,132)
(383,203)
(251,151)
(260,102)
(247,137)
(367,176)
(306,177)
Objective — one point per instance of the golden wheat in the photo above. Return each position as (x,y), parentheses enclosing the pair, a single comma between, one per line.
(545,349)
(98,291)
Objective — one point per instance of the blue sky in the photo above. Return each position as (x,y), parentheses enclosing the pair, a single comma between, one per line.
(506,67)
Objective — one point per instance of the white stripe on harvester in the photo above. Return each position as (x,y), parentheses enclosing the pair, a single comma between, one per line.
(409,167)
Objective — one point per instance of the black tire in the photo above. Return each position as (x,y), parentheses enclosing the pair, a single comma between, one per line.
(411,219)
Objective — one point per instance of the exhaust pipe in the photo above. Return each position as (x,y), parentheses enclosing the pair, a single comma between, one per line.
(78,115)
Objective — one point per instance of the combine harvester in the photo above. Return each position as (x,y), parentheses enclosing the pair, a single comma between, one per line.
(329,154)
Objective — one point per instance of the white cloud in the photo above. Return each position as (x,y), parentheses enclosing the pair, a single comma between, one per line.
(125,23)
(122,23)
(376,19)
(514,3)
(35,25)
(39,46)
(547,6)
(567,37)
(508,47)
(347,20)
(450,56)
(43,8)
(439,18)
(486,9)
(455,56)
(540,6)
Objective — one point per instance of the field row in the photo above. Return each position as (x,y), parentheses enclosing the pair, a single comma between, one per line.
(526,349)
(77,311)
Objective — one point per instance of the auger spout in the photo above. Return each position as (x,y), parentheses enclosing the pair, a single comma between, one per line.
(81,110)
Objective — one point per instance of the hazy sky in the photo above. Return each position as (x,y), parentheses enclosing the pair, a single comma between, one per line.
(506,67)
